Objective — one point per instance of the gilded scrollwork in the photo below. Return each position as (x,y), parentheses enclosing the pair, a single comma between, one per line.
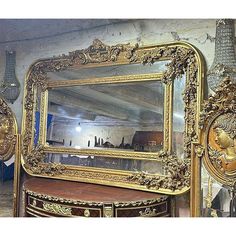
(224,100)
(148,212)
(199,150)
(177,175)
(34,162)
(57,209)
(183,60)
(8,130)
(96,204)
(99,52)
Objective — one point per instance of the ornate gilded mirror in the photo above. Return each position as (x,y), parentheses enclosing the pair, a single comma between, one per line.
(116,115)
(8,131)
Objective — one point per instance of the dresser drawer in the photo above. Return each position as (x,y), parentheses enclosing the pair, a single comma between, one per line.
(52,208)
(47,198)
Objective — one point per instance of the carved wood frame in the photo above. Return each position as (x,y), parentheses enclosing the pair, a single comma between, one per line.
(9,142)
(184,59)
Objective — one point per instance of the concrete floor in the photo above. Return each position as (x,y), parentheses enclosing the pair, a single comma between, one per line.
(6,199)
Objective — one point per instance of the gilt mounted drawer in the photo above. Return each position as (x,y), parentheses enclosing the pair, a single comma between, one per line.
(56,198)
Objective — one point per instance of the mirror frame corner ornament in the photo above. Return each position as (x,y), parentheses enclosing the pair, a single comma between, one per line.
(184,59)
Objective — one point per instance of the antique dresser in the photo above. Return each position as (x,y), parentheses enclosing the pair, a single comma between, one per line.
(45,197)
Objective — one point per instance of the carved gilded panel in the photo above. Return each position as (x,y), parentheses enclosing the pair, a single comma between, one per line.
(8,131)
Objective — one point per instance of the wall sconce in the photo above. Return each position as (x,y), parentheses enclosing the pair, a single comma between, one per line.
(10,86)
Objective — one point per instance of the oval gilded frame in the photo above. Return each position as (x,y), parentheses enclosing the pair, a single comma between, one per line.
(218,111)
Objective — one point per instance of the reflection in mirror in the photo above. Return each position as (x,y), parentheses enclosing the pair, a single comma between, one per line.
(183,205)
(215,197)
(105,162)
(123,116)
(107,71)
(37,118)
(178,116)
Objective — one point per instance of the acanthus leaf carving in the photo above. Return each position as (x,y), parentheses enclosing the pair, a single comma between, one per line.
(177,175)
(224,100)
(34,162)
(8,131)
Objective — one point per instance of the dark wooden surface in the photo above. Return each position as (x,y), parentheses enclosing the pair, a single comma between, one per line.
(85,191)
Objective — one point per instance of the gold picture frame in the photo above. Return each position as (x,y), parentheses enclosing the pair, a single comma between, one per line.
(182,58)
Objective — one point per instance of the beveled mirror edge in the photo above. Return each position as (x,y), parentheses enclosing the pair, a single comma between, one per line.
(115,179)
(197,83)
(154,156)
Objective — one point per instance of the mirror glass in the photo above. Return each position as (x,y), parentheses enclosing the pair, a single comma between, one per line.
(178,116)
(123,116)
(215,198)
(37,117)
(105,162)
(107,71)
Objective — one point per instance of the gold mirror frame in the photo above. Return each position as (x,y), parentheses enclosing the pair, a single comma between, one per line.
(184,58)
(8,131)
(220,111)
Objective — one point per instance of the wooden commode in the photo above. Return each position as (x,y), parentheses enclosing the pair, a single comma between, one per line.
(55,198)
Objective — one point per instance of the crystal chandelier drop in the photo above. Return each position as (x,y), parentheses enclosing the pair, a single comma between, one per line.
(224,63)
(10,86)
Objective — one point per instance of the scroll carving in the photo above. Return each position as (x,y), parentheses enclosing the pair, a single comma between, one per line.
(57,209)
(177,175)
(8,130)
(148,212)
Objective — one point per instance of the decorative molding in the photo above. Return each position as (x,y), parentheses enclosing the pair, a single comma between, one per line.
(199,150)
(148,212)
(8,131)
(108,210)
(224,100)
(177,175)
(140,203)
(57,209)
(95,204)
(86,212)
